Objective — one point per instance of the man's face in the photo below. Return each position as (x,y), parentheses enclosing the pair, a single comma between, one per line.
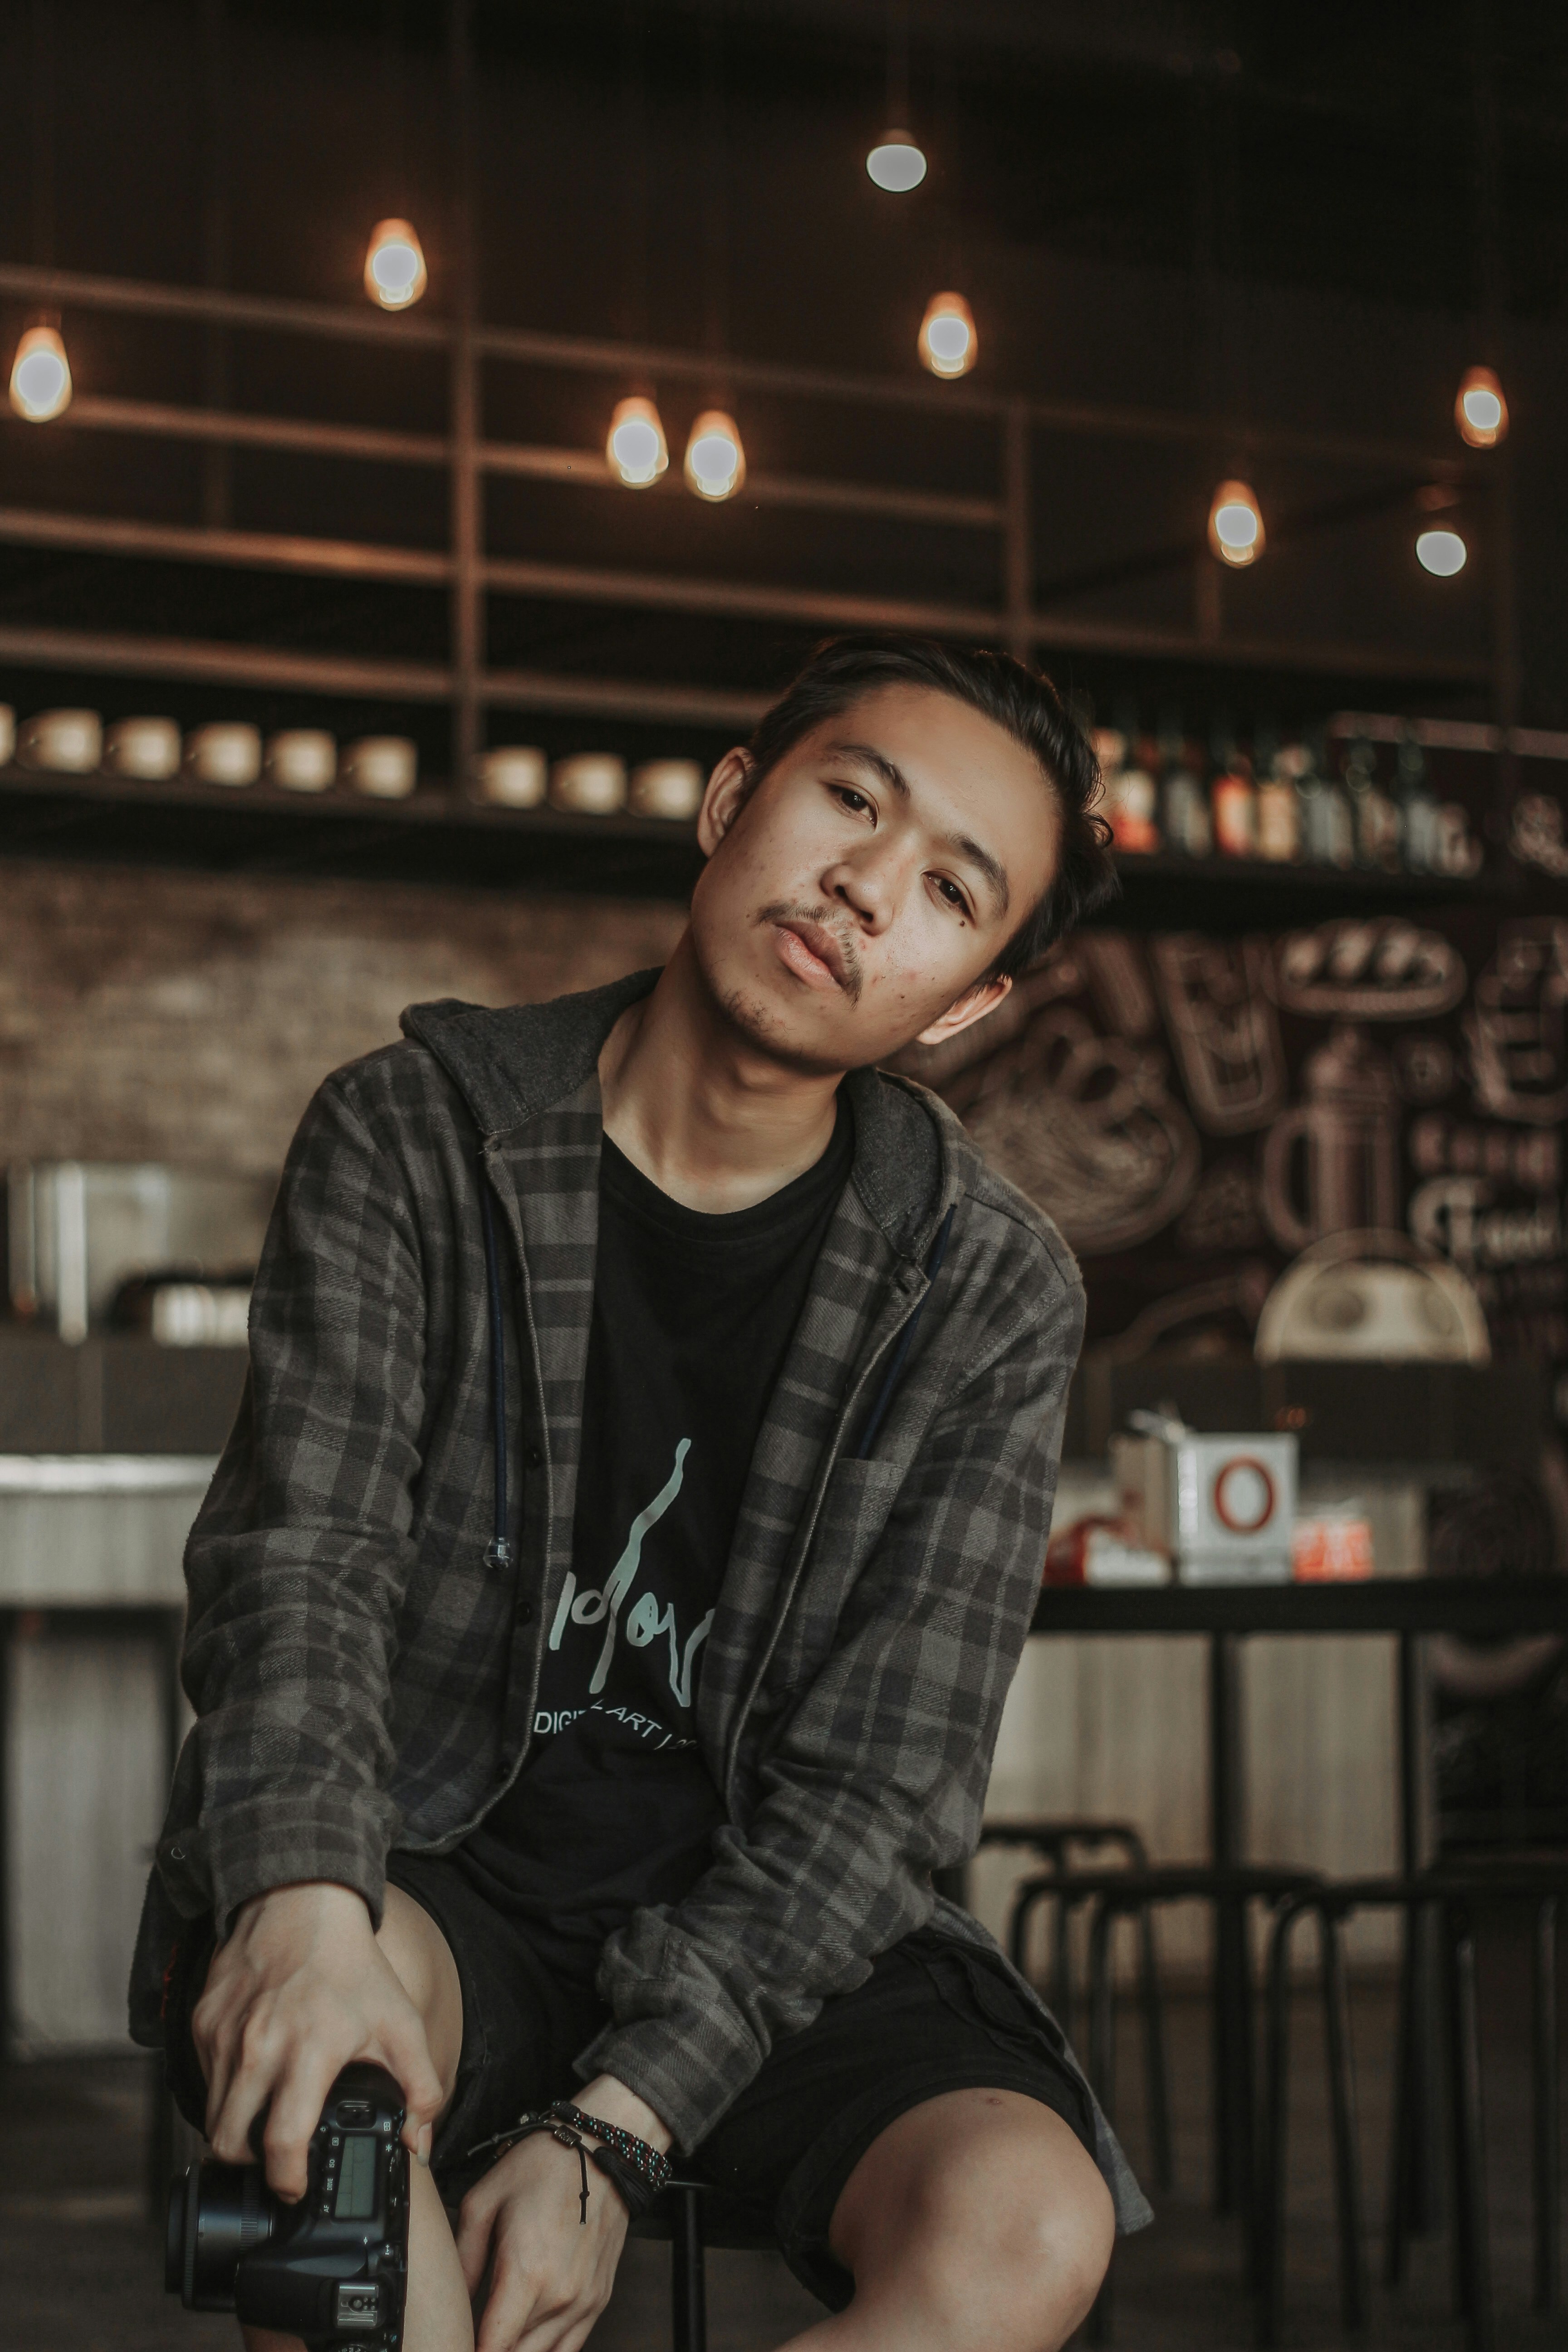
(852,903)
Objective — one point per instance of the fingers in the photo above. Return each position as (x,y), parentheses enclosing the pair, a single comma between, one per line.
(298,2095)
(242,2079)
(560,2333)
(476,2222)
(406,2054)
(517,2308)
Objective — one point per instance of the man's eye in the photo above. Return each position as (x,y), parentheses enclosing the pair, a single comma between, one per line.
(853,800)
(952,893)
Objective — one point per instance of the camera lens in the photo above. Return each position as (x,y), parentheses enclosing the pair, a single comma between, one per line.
(216,2213)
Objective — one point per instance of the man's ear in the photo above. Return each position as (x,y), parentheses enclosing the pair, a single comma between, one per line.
(723,800)
(967,1010)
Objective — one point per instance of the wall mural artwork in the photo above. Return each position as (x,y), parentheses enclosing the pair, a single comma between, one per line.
(1088,1124)
(1198,1114)
(1224,1029)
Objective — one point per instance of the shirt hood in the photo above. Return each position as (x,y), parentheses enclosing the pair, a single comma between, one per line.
(510,1065)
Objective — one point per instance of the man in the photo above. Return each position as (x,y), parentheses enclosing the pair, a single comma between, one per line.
(602,1614)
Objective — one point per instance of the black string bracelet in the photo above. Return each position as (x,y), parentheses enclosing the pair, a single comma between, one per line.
(524,2127)
(637,2170)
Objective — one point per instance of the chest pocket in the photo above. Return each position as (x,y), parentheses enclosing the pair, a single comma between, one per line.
(855,1512)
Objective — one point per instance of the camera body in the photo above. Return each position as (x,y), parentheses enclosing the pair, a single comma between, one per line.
(333,2269)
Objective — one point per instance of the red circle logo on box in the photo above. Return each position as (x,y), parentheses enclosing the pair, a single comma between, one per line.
(1244,1496)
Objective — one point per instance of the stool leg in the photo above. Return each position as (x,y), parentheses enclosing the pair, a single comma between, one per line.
(688,2283)
(1341,2093)
(1547,2178)
(1102,2065)
(1061,1965)
(1157,2094)
(1401,2138)
(1018,1928)
(1269,2228)
(1471,2251)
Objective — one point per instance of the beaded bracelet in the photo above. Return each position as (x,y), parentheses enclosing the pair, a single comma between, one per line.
(653,2166)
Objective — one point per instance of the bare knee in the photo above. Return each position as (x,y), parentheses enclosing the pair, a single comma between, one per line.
(983,2209)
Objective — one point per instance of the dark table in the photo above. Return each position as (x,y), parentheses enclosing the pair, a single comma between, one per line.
(1407,1607)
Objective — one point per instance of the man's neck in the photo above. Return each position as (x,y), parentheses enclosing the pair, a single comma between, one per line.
(698,1109)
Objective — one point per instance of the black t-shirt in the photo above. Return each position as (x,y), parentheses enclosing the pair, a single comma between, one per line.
(692,1317)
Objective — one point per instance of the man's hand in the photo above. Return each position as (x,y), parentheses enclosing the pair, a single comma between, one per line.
(550,2273)
(300,1990)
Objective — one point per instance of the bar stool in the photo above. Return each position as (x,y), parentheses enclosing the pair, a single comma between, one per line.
(1056,1839)
(1134,1894)
(1449,1894)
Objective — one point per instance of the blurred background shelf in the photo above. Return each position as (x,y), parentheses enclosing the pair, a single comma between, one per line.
(438,838)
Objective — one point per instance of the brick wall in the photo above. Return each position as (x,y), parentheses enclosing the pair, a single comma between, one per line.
(187,1017)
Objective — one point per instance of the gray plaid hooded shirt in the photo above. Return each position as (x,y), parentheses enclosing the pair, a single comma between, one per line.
(364,1679)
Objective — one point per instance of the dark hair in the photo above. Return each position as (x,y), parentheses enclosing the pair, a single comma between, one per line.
(1015,698)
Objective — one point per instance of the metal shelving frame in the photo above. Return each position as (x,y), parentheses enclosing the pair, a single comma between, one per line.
(470,686)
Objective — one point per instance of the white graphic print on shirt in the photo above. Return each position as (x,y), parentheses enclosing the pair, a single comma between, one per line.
(646,1621)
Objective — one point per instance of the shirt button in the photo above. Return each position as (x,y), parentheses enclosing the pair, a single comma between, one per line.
(525,1612)
(533,1458)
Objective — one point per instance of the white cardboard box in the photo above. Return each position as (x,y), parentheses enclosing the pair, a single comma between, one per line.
(1223,1507)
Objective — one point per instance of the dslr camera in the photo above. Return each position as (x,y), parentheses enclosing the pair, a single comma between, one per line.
(333,2268)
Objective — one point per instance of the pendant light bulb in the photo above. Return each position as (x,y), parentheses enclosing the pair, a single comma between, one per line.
(896,164)
(1480,412)
(1235,524)
(637,448)
(395,272)
(715,461)
(949,344)
(1441,553)
(40,375)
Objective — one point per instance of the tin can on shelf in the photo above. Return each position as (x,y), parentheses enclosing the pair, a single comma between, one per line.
(148,748)
(229,752)
(386,767)
(666,788)
(302,758)
(65,742)
(511,775)
(589,783)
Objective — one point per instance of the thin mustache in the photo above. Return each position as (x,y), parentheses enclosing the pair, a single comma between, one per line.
(784,911)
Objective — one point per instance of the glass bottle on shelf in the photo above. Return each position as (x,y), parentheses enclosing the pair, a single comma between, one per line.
(1183,806)
(1374,816)
(1279,809)
(1455,849)
(1326,838)
(1417,807)
(1232,799)
(1130,794)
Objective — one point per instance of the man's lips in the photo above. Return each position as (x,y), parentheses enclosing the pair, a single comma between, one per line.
(814,953)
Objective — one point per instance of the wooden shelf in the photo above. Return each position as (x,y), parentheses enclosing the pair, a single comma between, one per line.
(1165,893)
(438,838)
(434,836)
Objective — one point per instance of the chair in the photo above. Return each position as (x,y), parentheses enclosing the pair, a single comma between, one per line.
(1054,1840)
(1448,1895)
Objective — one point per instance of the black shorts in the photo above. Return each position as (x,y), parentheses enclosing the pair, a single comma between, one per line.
(933,2016)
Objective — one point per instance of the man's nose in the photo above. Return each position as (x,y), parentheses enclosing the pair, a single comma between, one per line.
(866,885)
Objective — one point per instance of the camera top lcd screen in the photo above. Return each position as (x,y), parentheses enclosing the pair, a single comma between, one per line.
(356,2182)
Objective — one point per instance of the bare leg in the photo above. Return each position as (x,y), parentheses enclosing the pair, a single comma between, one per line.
(977,2222)
(439,2318)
